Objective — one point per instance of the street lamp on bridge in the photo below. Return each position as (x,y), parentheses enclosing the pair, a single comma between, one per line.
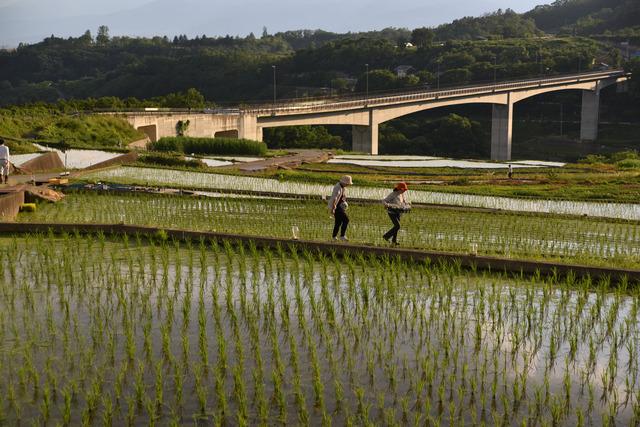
(366,75)
(274,87)
(495,69)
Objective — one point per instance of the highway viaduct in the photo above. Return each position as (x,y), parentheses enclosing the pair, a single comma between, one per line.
(366,113)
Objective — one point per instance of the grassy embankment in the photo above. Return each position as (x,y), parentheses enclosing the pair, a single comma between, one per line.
(22,126)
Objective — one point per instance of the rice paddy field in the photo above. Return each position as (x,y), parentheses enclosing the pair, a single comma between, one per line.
(211,181)
(132,331)
(145,330)
(593,241)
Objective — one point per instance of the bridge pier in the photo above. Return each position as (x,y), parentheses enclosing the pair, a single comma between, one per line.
(501,131)
(365,138)
(248,127)
(590,115)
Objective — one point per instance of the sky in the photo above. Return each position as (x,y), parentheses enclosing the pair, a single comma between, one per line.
(31,20)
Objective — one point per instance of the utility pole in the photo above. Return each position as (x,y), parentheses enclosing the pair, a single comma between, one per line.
(561,119)
(626,44)
(579,63)
(539,63)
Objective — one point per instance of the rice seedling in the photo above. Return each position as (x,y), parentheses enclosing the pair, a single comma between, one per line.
(280,336)
(210,181)
(578,239)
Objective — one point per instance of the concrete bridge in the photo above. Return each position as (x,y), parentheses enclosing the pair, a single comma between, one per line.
(366,113)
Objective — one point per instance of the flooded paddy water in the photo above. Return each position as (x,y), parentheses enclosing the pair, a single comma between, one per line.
(131,331)
(437,162)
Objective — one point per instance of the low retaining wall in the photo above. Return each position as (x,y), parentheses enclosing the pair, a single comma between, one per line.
(46,162)
(467,261)
(10,205)
(120,160)
(140,144)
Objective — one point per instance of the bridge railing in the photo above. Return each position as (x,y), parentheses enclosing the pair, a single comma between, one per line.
(381,98)
(161,110)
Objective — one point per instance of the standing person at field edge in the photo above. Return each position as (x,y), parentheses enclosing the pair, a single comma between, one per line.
(510,172)
(396,205)
(338,207)
(4,161)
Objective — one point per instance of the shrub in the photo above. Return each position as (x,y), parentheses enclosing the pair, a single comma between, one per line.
(188,144)
(301,137)
(622,159)
(624,155)
(629,164)
(169,159)
(593,158)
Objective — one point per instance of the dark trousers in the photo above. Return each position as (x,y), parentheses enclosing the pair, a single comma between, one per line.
(342,220)
(393,233)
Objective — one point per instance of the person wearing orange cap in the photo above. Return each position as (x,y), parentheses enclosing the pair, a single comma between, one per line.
(396,204)
(338,207)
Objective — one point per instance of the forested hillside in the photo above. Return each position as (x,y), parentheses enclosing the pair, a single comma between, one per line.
(117,72)
(239,70)
(589,17)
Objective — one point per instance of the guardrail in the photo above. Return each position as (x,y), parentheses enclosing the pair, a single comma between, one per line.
(396,98)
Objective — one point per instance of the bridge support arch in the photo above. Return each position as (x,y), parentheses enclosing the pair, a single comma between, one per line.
(151,131)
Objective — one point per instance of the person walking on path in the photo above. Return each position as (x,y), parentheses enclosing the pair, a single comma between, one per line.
(5,158)
(338,207)
(396,204)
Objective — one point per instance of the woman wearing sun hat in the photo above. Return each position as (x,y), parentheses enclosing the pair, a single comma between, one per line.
(396,204)
(338,207)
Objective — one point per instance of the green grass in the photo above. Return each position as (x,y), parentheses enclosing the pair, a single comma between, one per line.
(19,146)
(80,130)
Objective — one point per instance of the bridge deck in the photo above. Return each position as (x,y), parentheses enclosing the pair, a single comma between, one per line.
(378,99)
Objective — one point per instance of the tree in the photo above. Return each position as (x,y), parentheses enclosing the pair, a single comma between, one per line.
(457,135)
(182,127)
(422,37)
(402,42)
(86,39)
(378,80)
(633,67)
(615,57)
(103,35)
(301,137)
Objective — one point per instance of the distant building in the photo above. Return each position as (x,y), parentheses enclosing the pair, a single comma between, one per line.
(404,70)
